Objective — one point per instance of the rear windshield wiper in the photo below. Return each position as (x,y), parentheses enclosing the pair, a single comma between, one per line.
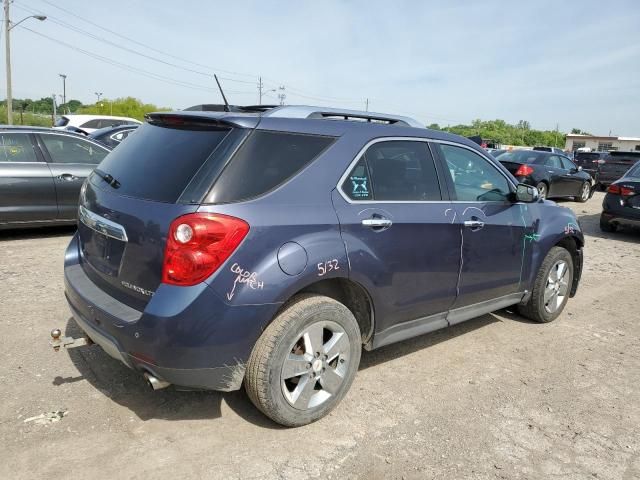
(107,177)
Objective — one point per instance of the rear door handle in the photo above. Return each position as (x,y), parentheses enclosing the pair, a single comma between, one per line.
(67,177)
(377,222)
(474,224)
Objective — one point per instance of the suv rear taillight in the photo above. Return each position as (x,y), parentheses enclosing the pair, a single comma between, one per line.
(524,171)
(197,244)
(618,190)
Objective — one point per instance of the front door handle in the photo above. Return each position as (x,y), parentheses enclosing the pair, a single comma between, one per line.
(377,222)
(474,224)
(68,177)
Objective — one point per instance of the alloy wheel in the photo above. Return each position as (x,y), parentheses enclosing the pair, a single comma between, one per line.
(316,365)
(586,190)
(542,190)
(557,286)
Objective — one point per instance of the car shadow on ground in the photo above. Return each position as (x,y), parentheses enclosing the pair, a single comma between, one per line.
(129,389)
(40,232)
(590,225)
(407,347)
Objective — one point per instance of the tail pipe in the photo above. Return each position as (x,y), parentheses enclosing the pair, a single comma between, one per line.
(155,382)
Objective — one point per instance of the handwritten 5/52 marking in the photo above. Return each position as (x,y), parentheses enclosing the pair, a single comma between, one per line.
(326,267)
(244,276)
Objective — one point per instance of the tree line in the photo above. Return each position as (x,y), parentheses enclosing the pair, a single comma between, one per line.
(40,112)
(501,132)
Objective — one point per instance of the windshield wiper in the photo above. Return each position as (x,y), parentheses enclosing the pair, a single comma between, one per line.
(107,177)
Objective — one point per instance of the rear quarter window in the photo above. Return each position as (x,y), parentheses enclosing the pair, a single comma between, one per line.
(265,161)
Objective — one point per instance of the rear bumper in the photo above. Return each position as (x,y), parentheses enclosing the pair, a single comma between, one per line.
(613,212)
(197,342)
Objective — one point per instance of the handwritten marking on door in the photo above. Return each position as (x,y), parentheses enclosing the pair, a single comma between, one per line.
(246,277)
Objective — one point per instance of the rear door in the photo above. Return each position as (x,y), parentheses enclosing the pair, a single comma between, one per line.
(71,159)
(493,227)
(557,183)
(27,192)
(400,231)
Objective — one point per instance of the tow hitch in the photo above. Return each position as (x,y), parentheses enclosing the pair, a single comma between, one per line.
(57,340)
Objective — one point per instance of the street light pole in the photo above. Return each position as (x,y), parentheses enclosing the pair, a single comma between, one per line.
(64,89)
(7,28)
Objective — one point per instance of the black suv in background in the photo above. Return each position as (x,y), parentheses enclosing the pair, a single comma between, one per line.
(590,162)
(615,165)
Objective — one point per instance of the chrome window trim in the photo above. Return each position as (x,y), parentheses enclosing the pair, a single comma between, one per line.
(412,139)
(102,225)
(75,136)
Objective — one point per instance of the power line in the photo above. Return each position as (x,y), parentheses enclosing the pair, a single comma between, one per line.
(66,25)
(130,68)
(140,43)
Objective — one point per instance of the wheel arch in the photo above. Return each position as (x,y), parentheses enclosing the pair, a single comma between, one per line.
(351,294)
(574,246)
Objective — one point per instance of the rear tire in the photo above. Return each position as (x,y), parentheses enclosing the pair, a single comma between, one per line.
(551,287)
(585,193)
(305,361)
(606,226)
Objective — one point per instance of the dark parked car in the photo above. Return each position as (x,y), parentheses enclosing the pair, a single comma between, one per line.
(113,136)
(621,204)
(590,163)
(41,172)
(615,165)
(554,175)
(287,241)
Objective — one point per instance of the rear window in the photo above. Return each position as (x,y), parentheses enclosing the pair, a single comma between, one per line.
(61,122)
(586,156)
(158,162)
(265,161)
(521,156)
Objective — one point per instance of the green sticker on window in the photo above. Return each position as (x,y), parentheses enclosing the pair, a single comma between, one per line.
(360,188)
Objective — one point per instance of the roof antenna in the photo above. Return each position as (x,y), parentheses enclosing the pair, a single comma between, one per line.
(226,104)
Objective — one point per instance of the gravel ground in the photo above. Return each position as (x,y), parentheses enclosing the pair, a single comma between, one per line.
(495,397)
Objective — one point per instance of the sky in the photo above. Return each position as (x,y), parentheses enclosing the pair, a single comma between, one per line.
(574,64)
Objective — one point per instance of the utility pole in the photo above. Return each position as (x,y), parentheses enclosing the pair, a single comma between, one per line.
(556,136)
(7,29)
(64,90)
(281,95)
(259,90)
(53,96)
(366,105)
(7,45)
(98,94)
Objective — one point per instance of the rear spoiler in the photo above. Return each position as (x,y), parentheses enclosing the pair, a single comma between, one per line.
(201,120)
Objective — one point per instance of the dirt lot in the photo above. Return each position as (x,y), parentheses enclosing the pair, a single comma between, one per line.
(496,397)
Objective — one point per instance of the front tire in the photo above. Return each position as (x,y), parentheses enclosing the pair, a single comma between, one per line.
(543,191)
(585,193)
(551,287)
(305,361)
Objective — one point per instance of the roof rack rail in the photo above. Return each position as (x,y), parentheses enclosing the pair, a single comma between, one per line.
(303,111)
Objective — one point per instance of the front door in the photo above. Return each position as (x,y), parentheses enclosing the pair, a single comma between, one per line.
(27,192)
(71,160)
(493,227)
(401,237)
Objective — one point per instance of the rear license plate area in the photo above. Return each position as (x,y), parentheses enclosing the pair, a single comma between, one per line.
(100,251)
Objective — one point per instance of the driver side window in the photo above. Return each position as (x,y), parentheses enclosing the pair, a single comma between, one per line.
(475,179)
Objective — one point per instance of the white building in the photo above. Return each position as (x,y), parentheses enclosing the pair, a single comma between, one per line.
(602,144)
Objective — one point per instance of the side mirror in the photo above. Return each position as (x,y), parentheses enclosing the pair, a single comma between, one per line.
(527,193)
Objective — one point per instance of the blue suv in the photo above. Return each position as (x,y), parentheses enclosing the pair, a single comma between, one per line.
(269,246)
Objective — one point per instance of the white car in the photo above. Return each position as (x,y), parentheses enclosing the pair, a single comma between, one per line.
(91,123)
